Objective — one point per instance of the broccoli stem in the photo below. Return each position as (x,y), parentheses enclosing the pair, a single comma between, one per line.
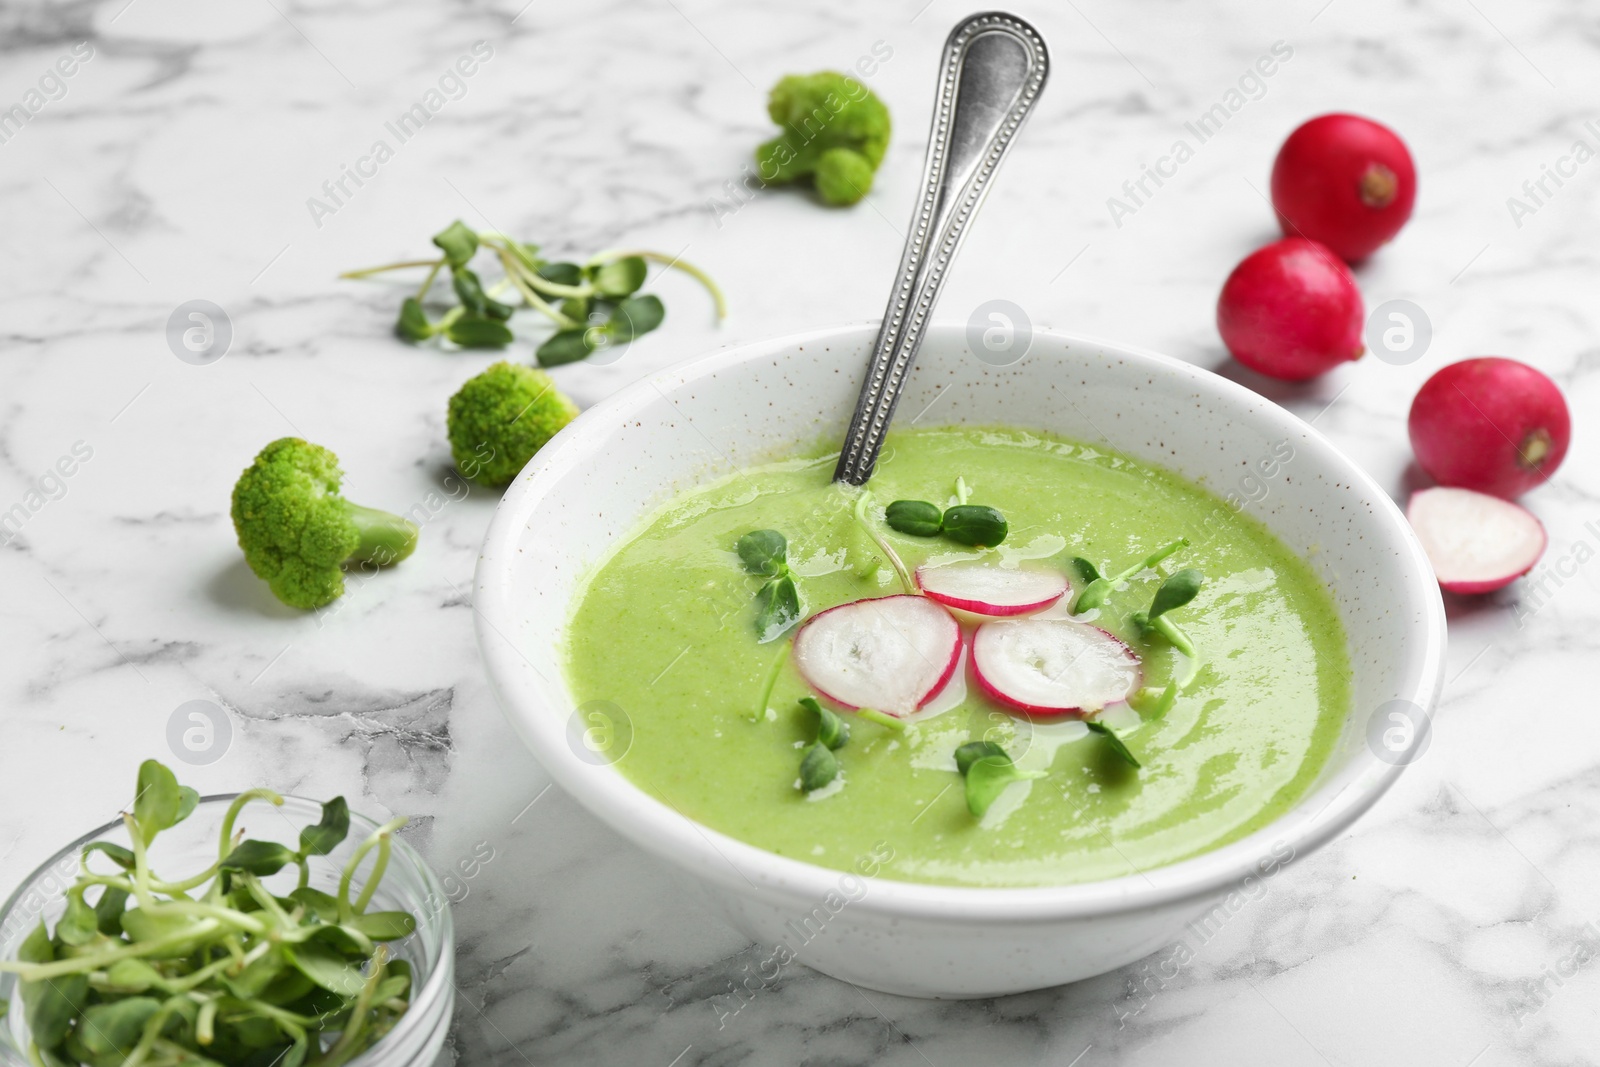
(385,538)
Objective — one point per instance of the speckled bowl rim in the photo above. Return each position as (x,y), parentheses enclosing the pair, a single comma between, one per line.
(747,870)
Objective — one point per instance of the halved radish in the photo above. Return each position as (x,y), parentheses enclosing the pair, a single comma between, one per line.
(985,589)
(892,653)
(1477,543)
(1052,666)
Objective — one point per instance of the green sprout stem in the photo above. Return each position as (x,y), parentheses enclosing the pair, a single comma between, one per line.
(225,834)
(1180,640)
(772,682)
(882,719)
(427,283)
(887,549)
(962,492)
(367,272)
(525,280)
(345,1047)
(378,839)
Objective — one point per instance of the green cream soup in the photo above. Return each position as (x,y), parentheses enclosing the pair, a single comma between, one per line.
(666,632)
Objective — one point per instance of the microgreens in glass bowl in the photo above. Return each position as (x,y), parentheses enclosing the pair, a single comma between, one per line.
(303,942)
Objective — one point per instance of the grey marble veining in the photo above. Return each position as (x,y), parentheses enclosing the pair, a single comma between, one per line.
(1453,926)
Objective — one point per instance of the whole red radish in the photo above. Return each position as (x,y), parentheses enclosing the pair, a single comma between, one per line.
(1345,181)
(1490,424)
(1291,310)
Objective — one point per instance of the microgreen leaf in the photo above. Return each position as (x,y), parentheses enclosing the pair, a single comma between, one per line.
(975,524)
(561,273)
(157,801)
(108,910)
(831,729)
(188,800)
(122,857)
(259,857)
(988,776)
(763,552)
(777,609)
(323,905)
(634,317)
(385,925)
(458,243)
(413,323)
(818,768)
(326,967)
(917,518)
(472,331)
(1175,592)
(133,975)
(972,751)
(112,1029)
(470,292)
(620,277)
(78,926)
(1116,744)
(1086,570)
(564,346)
(50,1006)
(325,836)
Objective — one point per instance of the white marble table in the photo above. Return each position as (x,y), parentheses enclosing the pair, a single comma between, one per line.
(176,164)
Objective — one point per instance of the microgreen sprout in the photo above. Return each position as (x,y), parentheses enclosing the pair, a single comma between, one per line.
(987,770)
(1152,704)
(966,524)
(1100,586)
(593,305)
(831,730)
(862,502)
(819,766)
(227,976)
(765,554)
(1116,744)
(1173,593)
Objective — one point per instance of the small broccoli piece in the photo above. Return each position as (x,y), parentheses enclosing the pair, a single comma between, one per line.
(500,418)
(835,132)
(297,532)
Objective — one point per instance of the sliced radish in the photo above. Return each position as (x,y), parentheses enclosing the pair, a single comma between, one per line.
(984,589)
(1477,543)
(892,653)
(1052,666)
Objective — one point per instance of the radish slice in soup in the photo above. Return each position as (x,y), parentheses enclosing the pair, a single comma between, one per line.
(892,653)
(1052,666)
(985,589)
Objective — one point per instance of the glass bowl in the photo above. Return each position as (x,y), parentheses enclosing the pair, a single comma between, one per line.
(191,846)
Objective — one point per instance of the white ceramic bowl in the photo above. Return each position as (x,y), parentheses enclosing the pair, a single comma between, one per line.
(595,482)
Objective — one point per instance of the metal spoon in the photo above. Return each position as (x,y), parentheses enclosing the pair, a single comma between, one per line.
(994,66)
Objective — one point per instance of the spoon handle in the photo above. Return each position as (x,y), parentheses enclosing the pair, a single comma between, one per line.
(994,66)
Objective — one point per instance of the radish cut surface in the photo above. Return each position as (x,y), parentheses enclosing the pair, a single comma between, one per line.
(1477,543)
(985,589)
(892,653)
(1052,666)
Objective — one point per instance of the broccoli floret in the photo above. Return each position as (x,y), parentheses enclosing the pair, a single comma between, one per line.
(835,132)
(297,532)
(500,418)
